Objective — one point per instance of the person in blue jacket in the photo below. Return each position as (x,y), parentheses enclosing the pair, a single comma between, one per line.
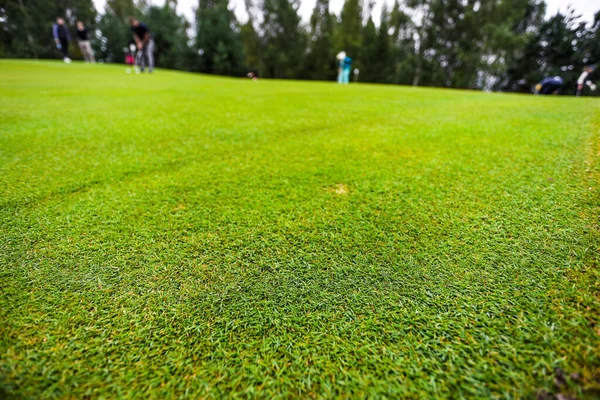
(550,85)
(62,37)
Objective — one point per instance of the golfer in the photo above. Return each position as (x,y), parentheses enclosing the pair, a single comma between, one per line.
(144,43)
(84,43)
(549,85)
(344,67)
(62,37)
(583,79)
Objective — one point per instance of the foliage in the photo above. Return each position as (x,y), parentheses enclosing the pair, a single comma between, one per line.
(218,41)
(368,52)
(284,39)
(26,25)
(320,60)
(251,41)
(349,30)
(170,37)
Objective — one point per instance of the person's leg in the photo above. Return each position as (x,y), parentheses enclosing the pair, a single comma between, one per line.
(64,47)
(90,52)
(139,59)
(346,75)
(340,77)
(83,51)
(149,49)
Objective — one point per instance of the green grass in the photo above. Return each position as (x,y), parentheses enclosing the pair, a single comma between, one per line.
(183,235)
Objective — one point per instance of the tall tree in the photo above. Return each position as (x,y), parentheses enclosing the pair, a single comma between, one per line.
(561,41)
(349,29)
(218,38)
(376,57)
(121,9)
(510,40)
(170,36)
(454,42)
(26,25)
(367,55)
(557,47)
(383,46)
(591,46)
(251,41)
(424,33)
(466,43)
(320,60)
(403,45)
(284,40)
(115,30)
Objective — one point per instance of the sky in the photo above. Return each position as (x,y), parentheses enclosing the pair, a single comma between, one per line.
(587,8)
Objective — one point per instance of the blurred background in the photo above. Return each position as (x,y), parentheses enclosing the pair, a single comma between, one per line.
(496,45)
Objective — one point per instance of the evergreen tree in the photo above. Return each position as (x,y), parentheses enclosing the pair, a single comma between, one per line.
(383,47)
(320,60)
(170,37)
(425,34)
(115,29)
(349,29)
(284,40)
(557,47)
(511,37)
(121,9)
(591,43)
(465,43)
(376,57)
(251,41)
(368,51)
(561,41)
(218,39)
(403,45)
(26,25)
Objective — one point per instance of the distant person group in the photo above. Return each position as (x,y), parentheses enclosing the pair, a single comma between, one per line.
(553,85)
(144,43)
(62,38)
(141,55)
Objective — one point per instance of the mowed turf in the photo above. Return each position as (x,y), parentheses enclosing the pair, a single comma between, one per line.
(179,235)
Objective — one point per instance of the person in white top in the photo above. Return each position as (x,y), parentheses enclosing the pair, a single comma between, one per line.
(583,79)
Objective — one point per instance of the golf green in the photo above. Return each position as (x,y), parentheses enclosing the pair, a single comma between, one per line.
(180,235)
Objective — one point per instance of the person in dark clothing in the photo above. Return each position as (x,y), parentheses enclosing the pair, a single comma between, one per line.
(144,43)
(549,85)
(62,37)
(84,43)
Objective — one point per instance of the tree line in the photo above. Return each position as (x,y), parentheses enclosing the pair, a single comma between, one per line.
(505,45)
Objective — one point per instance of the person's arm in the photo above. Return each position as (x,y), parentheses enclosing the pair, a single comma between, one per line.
(136,39)
(55,32)
(141,43)
(146,38)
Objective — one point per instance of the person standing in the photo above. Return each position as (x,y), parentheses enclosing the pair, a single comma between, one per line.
(84,43)
(344,67)
(62,37)
(340,61)
(144,43)
(347,69)
(583,79)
